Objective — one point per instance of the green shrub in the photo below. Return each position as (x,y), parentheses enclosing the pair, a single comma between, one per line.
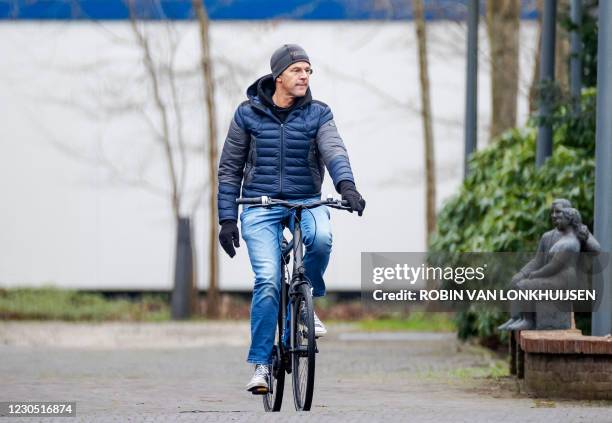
(503,205)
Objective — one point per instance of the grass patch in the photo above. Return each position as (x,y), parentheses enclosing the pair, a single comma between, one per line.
(540,403)
(495,370)
(417,322)
(72,305)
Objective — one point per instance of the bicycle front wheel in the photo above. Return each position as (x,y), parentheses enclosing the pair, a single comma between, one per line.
(304,349)
(273,400)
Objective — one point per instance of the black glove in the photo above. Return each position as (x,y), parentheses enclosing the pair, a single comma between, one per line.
(229,237)
(350,194)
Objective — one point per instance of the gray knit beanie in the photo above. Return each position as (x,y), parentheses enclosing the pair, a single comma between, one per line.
(285,56)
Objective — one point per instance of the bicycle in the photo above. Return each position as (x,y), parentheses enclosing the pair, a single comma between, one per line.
(295,343)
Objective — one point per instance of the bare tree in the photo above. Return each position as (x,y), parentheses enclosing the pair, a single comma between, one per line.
(175,154)
(212,301)
(158,92)
(162,110)
(503,19)
(430,173)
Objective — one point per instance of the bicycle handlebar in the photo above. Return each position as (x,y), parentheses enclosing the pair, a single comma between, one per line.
(265,201)
(255,200)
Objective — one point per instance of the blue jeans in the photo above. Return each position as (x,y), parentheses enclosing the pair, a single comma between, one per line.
(262,230)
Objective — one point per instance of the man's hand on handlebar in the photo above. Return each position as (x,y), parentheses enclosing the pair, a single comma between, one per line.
(350,194)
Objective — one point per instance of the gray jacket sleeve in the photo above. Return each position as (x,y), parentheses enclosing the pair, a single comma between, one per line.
(332,149)
(231,168)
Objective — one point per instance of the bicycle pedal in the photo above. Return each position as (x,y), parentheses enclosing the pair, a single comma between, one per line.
(259,390)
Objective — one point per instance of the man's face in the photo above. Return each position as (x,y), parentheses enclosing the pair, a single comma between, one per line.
(555,214)
(295,79)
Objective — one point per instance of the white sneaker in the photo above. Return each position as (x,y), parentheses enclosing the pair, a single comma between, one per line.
(320,329)
(259,382)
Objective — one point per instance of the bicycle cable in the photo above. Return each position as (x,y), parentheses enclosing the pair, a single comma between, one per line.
(313,218)
(299,222)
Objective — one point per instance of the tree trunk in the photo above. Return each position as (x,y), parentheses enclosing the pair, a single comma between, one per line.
(430,172)
(535,77)
(503,29)
(562,49)
(212,300)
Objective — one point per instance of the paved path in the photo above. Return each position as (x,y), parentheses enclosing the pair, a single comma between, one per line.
(196,372)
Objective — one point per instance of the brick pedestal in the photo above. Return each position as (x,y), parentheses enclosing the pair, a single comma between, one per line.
(565,364)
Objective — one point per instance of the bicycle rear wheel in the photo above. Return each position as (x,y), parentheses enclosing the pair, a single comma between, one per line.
(303,368)
(274,398)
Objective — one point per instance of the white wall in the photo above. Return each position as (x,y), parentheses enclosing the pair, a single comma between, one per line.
(65,218)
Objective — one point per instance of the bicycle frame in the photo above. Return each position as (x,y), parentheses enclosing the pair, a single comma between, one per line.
(288,288)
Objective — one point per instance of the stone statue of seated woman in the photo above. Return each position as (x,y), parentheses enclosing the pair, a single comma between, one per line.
(555,264)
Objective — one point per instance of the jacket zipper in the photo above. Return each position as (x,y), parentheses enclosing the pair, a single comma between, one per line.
(282,145)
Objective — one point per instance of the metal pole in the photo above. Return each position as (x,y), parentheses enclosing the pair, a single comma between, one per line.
(180,303)
(547,76)
(471,94)
(575,56)
(602,318)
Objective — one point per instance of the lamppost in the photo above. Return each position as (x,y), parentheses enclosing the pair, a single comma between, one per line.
(471,94)
(602,318)
(547,77)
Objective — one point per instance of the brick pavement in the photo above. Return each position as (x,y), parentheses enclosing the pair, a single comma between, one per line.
(196,372)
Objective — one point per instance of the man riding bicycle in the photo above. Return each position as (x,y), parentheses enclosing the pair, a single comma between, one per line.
(278,144)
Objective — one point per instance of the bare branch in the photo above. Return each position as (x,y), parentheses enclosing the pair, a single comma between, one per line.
(117,174)
(161,107)
(179,123)
(158,137)
(388,98)
(100,159)
(201,191)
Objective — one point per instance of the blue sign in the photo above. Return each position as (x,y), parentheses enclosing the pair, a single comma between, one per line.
(237,9)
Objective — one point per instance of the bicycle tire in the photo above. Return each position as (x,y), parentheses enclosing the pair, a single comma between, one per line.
(273,401)
(303,356)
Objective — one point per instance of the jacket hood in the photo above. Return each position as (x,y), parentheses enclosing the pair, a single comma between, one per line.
(262,91)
